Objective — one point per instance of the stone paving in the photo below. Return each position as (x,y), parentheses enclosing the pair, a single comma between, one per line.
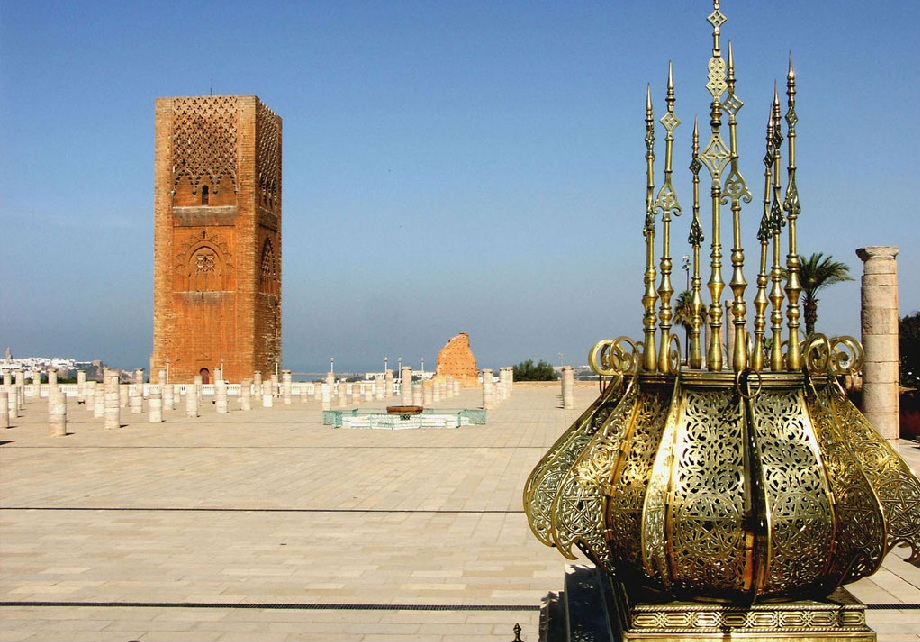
(267,525)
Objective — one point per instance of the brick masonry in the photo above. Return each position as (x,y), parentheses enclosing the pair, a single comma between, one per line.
(456,359)
(217,237)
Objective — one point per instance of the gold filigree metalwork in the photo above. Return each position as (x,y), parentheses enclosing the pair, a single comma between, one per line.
(741,480)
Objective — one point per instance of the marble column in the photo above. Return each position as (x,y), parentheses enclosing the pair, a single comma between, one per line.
(488,389)
(881,375)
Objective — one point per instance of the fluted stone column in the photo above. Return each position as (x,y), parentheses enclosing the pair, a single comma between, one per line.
(881,376)
(568,387)
(405,390)
(4,409)
(155,404)
(488,390)
(112,400)
(287,386)
(57,412)
(245,395)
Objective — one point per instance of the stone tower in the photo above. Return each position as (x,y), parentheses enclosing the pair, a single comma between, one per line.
(217,238)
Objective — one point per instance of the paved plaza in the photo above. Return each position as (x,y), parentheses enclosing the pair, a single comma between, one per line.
(267,525)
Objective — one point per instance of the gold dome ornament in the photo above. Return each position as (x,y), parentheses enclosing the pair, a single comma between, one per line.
(745,478)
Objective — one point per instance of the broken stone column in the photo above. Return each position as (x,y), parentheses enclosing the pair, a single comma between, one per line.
(168,394)
(326,397)
(418,394)
(139,380)
(427,394)
(136,400)
(4,409)
(89,395)
(155,405)
(112,400)
(124,394)
(488,389)
(388,388)
(405,386)
(257,382)
(568,387)
(268,399)
(880,338)
(12,401)
(220,397)
(287,385)
(191,401)
(7,379)
(245,395)
(57,412)
(81,386)
(198,390)
(436,391)
(378,386)
(99,405)
(161,378)
(36,384)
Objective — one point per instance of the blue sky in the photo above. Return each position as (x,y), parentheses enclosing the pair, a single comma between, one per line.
(448,166)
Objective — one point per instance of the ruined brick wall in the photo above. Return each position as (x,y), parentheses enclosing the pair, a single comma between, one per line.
(456,359)
(217,237)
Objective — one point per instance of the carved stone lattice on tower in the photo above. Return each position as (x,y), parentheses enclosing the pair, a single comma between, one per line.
(217,237)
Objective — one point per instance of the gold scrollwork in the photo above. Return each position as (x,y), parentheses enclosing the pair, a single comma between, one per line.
(614,357)
(836,356)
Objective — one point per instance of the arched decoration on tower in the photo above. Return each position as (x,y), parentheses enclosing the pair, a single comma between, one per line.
(268,271)
(205,269)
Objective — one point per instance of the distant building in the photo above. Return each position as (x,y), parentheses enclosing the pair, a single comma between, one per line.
(217,238)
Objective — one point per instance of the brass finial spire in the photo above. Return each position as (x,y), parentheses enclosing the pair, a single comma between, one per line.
(716,157)
(696,240)
(666,203)
(736,191)
(649,297)
(764,234)
(776,226)
(791,207)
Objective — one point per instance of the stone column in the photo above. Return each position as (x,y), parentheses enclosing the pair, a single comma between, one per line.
(326,397)
(287,385)
(155,405)
(7,378)
(124,394)
(139,379)
(427,394)
(881,378)
(275,386)
(220,397)
(168,393)
(36,383)
(81,386)
(388,383)
(368,392)
(112,400)
(57,412)
(197,390)
(12,401)
(268,400)
(488,390)
(378,387)
(257,382)
(4,409)
(191,399)
(405,386)
(161,378)
(344,394)
(89,396)
(99,406)
(245,395)
(568,387)
(436,391)
(137,399)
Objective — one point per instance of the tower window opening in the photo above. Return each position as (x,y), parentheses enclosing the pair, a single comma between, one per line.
(205,196)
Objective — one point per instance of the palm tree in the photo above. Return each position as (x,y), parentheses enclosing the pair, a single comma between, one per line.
(816,272)
(683,314)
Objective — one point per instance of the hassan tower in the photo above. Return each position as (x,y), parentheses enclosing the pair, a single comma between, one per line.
(217,238)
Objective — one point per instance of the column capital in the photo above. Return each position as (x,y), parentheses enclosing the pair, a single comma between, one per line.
(877,252)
